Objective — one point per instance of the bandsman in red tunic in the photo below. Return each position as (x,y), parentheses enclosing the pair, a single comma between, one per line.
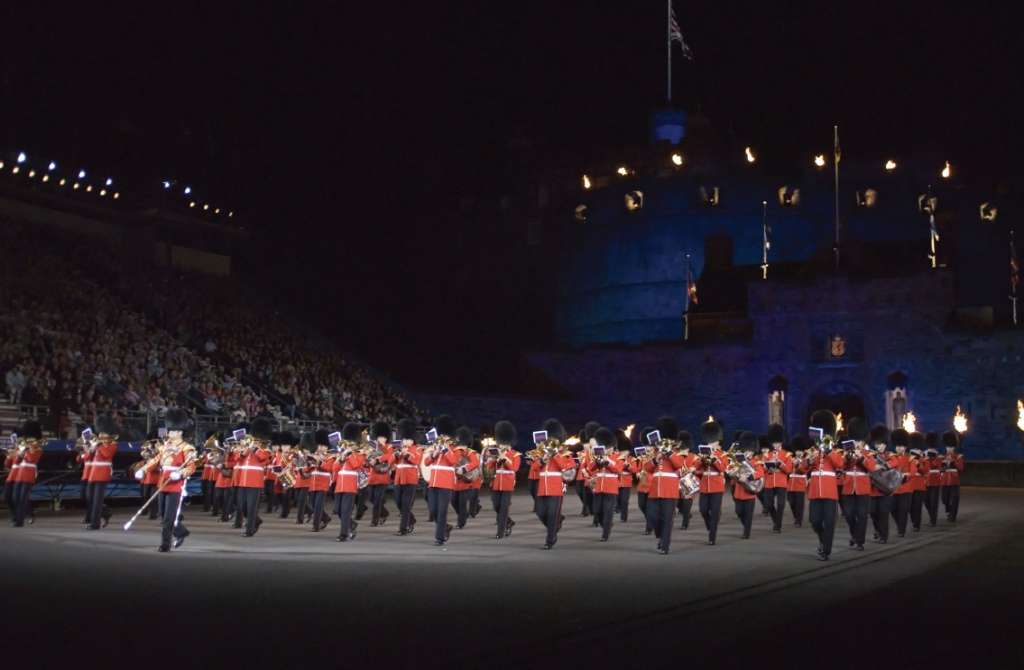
(175,462)
(952,468)
(602,461)
(407,475)
(881,503)
(208,478)
(442,459)
(778,465)
(822,488)
(503,461)
(251,468)
(918,477)
(24,470)
(856,491)
(711,471)
(745,468)
(379,461)
(467,470)
(933,479)
(321,471)
(557,467)
(796,487)
(347,468)
(102,470)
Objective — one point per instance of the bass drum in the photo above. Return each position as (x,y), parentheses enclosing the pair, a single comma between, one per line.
(689,485)
(425,472)
(362,478)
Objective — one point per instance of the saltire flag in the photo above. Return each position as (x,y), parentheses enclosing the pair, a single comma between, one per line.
(676,35)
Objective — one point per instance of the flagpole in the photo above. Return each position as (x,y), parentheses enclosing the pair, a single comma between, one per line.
(835,160)
(1014,277)
(686,309)
(668,52)
(764,239)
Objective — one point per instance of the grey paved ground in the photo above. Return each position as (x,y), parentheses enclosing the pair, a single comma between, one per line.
(289,596)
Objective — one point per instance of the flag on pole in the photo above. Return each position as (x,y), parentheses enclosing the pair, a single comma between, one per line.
(691,287)
(1014,268)
(676,35)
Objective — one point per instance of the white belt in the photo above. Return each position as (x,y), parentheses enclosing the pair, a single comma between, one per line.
(952,470)
(504,472)
(442,467)
(249,467)
(798,476)
(823,473)
(934,471)
(354,473)
(667,474)
(406,466)
(856,472)
(103,463)
(321,474)
(551,474)
(26,465)
(170,468)
(609,474)
(711,474)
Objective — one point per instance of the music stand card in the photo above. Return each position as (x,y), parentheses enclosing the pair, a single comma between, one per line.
(540,436)
(431,436)
(238,434)
(654,437)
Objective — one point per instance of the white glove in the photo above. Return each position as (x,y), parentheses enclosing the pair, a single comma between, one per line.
(139,474)
(175,476)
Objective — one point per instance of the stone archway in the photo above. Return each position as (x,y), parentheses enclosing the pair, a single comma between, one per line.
(838,397)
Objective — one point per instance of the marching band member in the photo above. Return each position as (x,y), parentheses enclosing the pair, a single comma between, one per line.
(626,476)
(822,490)
(918,478)
(321,469)
(273,469)
(379,464)
(643,480)
(796,487)
(583,490)
(282,493)
(856,491)
(24,470)
(407,475)
(468,460)
(664,468)
(606,468)
(504,460)
(778,465)
(236,508)
(208,479)
(303,477)
(746,469)
(952,468)
(713,465)
(901,497)
(881,504)
(533,479)
(250,469)
(690,464)
(176,462)
(102,470)
(555,465)
(442,461)
(11,469)
(933,482)
(477,481)
(346,467)
(84,457)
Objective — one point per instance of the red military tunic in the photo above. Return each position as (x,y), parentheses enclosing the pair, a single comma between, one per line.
(103,462)
(224,481)
(741,493)
(779,479)
(797,480)
(407,468)
(320,476)
(388,457)
(951,472)
(934,466)
(273,467)
(918,474)
(505,475)
(85,459)
(712,477)
(251,467)
(346,473)
(857,481)
(606,478)
(442,469)
(629,468)
(664,476)
(473,462)
(823,468)
(534,469)
(26,466)
(643,480)
(167,485)
(891,461)
(550,483)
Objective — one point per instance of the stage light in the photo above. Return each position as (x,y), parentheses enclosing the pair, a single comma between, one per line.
(819,160)
(103,192)
(110,182)
(750,155)
(192,204)
(890,165)
(167,185)
(677,159)
(88,188)
(188,190)
(586,182)
(46,178)
(1,165)
(75,187)
(206,206)
(31,174)
(22,157)
(623,170)
(52,166)
(15,170)
(81,174)
(230,214)
(947,171)
(217,211)
(62,182)
(116,195)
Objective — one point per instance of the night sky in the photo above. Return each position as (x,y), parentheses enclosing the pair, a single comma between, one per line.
(341,130)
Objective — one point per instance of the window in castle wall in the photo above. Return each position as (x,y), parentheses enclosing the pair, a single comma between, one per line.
(867,198)
(895,407)
(709,195)
(777,407)
(789,197)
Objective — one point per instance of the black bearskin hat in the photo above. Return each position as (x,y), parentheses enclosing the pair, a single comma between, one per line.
(589,429)
(711,431)
(31,430)
(351,432)
(643,435)
(825,420)
(748,441)
(763,442)
(464,436)
(380,429)
(275,437)
(622,440)
(776,434)
(321,438)
(879,434)
(605,438)
(900,438)
(445,425)
(950,439)
(407,429)
(555,429)
(307,442)
(505,433)
(177,419)
(288,437)
(857,429)
(262,429)
(917,441)
(106,424)
(799,443)
(668,427)
(932,440)
(686,439)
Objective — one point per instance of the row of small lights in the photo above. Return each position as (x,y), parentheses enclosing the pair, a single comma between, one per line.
(819,162)
(31,174)
(169,185)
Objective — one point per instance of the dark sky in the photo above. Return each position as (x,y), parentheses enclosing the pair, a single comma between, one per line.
(347,126)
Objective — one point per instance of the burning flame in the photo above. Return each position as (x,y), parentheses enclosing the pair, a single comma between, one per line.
(586,182)
(959,421)
(910,422)
(819,160)
(750,155)
(1020,415)
(572,441)
(628,430)
(839,422)
(946,171)
(677,159)
(710,418)
(623,170)
(890,165)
